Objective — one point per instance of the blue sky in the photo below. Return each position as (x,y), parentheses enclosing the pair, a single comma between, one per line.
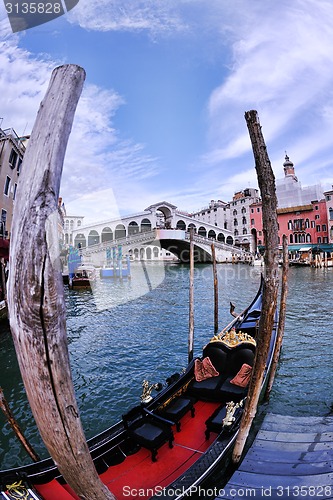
(161,116)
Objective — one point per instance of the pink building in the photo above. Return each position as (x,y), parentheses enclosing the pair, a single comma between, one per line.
(302,213)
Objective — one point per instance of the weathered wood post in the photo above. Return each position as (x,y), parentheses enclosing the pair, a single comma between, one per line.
(266,181)
(191,300)
(216,291)
(282,317)
(35,289)
(4,406)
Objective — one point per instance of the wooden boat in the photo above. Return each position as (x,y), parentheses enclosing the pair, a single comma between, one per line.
(169,445)
(83,277)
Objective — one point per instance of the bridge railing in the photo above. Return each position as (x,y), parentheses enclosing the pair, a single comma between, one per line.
(150,236)
(218,244)
(143,237)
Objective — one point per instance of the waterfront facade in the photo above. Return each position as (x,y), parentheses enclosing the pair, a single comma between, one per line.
(12,149)
(302,214)
(329,212)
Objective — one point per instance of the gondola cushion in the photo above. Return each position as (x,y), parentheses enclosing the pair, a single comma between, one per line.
(204,369)
(242,378)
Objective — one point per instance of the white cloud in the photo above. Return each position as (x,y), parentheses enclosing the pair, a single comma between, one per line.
(282,68)
(97,156)
(128,15)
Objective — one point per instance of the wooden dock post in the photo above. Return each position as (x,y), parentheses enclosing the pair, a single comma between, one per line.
(16,428)
(216,292)
(191,300)
(35,289)
(266,181)
(282,317)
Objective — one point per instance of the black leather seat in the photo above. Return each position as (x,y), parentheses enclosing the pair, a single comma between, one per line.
(148,429)
(178,408)
(215,422)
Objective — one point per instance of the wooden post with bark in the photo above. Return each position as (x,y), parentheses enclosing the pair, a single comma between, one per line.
(191,300)
(35,289)
(266,181)
(282,317)
(216,292)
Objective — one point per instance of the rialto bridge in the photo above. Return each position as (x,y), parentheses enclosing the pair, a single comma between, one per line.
(160,226)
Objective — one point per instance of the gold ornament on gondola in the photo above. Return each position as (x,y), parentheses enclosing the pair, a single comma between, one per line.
(233,338)
(147,389)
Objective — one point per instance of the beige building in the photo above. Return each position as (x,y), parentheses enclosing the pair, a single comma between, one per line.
(329,206)
(12,149)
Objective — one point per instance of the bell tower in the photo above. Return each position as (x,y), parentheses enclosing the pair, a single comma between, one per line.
(288,167)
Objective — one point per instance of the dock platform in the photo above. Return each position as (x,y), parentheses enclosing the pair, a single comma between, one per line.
(291,457)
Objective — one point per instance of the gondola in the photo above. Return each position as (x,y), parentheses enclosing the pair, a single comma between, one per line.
(172,443)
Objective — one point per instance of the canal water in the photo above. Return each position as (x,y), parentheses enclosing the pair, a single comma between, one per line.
(125,331)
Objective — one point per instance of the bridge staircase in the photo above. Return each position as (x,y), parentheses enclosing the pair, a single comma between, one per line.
(183,238)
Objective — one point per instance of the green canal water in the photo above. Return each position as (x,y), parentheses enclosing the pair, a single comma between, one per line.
(124,332)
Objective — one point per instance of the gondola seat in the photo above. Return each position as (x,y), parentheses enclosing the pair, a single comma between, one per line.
(220,388)
(232,392)
(147,429)
(178,407)
(215,422)
(208,389)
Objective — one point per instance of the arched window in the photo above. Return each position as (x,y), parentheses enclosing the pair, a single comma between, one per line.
(234,212)
(236,232)
(107,234)
(120,231)
(136,253)
(244,230)
(244,221)
(145,225)
(291,239)
(93,238)
(133,228)
(192,226)
(290,225)
(221,237)
(71,225)
(181,225)
(156,252)
(331,213)
(212,234)
(243,210)
(202,231)
(148,252)
(235,222)
(308,238)
(230,241)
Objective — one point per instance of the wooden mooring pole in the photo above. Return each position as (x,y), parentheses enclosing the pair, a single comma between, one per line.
(4,406)
(282,317)
(191,300)
(216,292)
(35,289)
(266,181)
